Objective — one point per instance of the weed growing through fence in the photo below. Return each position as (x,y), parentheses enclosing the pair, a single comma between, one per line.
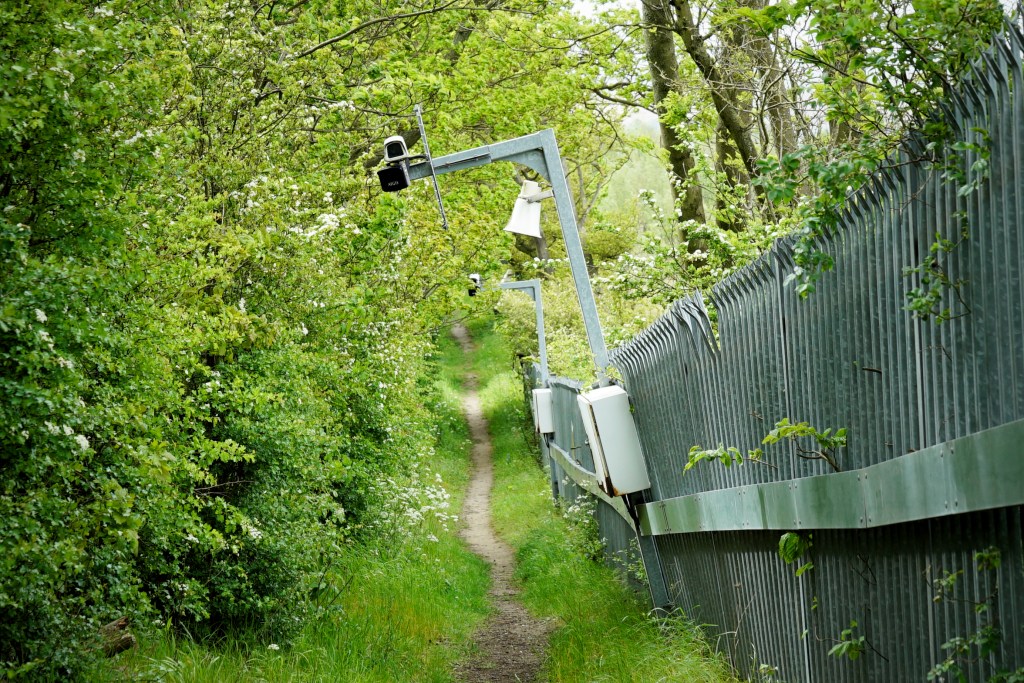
(933,280)
(850,645)
(766,673)
(932,276)
(828,446)
(632,563)
(979,646)
(792,546)
(581,515)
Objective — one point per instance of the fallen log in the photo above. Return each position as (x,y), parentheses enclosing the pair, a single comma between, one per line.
(116,637)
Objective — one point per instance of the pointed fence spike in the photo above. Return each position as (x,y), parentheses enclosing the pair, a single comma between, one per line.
(1006,49)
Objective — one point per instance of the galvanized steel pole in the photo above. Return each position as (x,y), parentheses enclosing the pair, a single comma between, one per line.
(533,288)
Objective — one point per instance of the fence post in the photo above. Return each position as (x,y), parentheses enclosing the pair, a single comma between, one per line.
(661,601)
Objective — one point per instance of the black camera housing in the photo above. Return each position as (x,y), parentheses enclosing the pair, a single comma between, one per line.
(395,177)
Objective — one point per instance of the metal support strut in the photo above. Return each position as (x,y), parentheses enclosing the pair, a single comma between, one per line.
(539,151)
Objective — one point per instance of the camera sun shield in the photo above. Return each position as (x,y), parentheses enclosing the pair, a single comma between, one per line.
(395,149)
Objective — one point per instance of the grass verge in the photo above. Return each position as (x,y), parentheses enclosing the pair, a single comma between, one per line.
(606,632)
(402,608)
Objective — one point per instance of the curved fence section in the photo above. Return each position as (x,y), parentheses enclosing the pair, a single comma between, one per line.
(899,554)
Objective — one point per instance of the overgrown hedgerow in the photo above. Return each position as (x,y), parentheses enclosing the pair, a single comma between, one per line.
(197,385)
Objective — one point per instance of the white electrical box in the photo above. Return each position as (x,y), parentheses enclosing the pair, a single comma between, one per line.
(543,419)
(614,441)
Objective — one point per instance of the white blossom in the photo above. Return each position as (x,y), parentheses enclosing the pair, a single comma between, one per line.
(40,316)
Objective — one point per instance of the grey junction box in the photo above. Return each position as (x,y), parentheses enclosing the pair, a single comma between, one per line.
(614,442)
(543,419)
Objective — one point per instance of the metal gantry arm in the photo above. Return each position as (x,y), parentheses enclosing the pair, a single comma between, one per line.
(539,151)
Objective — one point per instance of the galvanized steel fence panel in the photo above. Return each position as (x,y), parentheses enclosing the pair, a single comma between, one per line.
(852,356)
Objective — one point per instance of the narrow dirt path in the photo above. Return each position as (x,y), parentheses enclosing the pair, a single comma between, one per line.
(511,643)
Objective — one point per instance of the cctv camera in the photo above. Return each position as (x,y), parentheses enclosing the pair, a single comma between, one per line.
(395,177)
(395,149)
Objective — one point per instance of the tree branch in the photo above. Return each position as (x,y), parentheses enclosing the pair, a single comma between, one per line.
(375,22)
(600,92)
(394,17)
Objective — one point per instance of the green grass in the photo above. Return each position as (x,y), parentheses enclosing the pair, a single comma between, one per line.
(404,608)
(405,615)
(605,632)
(400,609)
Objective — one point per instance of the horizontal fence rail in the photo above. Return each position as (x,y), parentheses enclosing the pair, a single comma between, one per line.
(914,539)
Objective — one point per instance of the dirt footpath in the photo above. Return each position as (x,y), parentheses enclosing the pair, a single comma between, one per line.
(511,643)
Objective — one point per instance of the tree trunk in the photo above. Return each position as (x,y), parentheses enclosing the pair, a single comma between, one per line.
(661,58)
(782,139)
(780,110)
(728,109)
(727,162)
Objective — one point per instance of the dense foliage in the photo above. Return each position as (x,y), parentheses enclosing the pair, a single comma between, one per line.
(212,325)
(773,113)
(770,115)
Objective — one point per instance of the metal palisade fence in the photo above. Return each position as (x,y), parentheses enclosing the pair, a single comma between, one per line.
(906,559)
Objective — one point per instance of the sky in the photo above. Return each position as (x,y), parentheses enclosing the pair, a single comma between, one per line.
(590,8)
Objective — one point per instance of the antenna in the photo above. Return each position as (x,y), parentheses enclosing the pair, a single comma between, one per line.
(430,161)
